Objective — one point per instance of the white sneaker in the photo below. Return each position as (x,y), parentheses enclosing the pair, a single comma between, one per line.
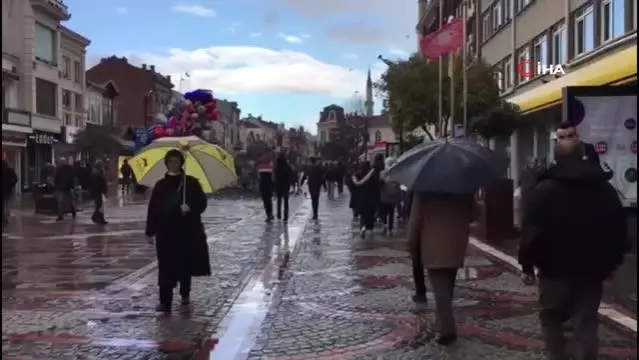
(362,232)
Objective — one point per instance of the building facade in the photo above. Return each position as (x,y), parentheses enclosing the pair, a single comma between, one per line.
(101,104)
(595,41)
(226,131)
(143,91)
(33,42)
(255,129)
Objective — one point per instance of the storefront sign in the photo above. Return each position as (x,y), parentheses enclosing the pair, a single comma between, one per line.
(42,138)
(11,138)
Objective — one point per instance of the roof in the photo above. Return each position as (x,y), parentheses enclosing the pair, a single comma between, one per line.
(72,35)
(325,114)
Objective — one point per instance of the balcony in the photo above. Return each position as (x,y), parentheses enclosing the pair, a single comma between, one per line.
(53,8)
(16,117)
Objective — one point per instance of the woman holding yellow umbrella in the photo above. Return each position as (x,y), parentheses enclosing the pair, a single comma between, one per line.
(190,167)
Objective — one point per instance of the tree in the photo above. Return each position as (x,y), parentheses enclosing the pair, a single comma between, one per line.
(410,88)
(99,141)
(499,122)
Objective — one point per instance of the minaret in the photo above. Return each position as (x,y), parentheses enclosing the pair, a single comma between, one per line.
(369,95)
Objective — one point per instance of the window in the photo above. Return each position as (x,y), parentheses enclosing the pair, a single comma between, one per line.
(44,44)
(46,97)
(10,95)
(66,99)
(66,71)
(77,72)
(79,104)
(508,10)
(613,19)
(78,121)
(67,119)
(559,54)
(521,4)
(524,65)
(508,73)
(497,16)
(487,30)
(584,30)
(499,77)
(540,51)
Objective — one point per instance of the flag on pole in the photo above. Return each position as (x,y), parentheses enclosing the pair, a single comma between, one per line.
(443,41)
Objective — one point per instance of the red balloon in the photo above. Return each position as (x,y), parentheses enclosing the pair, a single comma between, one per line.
(159,132)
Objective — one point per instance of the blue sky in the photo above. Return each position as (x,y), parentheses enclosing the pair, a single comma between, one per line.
(284,59)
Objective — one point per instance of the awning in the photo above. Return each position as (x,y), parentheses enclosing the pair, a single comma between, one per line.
(614,69)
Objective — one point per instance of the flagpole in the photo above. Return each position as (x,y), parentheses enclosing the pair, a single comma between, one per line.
(440,103)
(464,69)
(451,119)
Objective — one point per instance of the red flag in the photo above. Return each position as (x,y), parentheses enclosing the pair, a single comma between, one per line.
(443,41)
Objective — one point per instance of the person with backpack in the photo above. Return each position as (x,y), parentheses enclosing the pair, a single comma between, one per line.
(389,198)
(574,235)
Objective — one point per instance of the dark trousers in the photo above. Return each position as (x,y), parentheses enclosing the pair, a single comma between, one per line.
(367,217)
(388,215)
(282,197)
(267,199)
(340,186)
(442,282)
(166,290)
(66,202)
(419,278)
(98,210)
(562,300)
(314,193)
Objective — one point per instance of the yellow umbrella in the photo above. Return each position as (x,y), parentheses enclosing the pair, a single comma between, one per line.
(213,166)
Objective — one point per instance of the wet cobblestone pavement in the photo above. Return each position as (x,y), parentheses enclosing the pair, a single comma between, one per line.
(79,291)
(349,298)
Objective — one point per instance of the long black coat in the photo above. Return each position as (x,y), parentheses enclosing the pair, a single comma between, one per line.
(180,240)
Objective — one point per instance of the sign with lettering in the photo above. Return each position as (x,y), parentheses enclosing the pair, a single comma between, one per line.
(42,138)
(14,138)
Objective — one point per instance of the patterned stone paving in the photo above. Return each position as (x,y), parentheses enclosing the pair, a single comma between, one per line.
(78,291)
(349,298)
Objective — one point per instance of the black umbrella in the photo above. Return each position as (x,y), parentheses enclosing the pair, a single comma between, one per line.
(451,166)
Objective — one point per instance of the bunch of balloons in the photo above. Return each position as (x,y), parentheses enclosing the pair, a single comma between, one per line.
(189,117)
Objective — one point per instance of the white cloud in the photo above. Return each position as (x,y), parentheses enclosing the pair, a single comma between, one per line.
(196,10)
(122,10)
(255,34)
(246,69)
(291,39)
(398,52)
(350,56)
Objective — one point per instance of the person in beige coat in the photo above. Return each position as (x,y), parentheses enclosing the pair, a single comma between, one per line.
(438,229)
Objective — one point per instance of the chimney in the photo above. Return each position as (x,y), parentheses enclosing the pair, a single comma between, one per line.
(168,77)
(143,66)
(153,68)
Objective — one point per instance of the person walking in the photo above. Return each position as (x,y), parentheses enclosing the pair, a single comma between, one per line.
(340,174)
(331,180)
(9,181)
(282,174)
(366,183)
(352,201)
(265,185)
(127,176)
(438,231)
(389,198)
(64,182)
(98,191)
(174,225)
(574,234)
(316,178)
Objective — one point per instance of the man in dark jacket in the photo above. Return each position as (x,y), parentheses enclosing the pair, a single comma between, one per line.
(316,178)
(265,183)
(567,133)
(9,181)
(65,182)
(574,233)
